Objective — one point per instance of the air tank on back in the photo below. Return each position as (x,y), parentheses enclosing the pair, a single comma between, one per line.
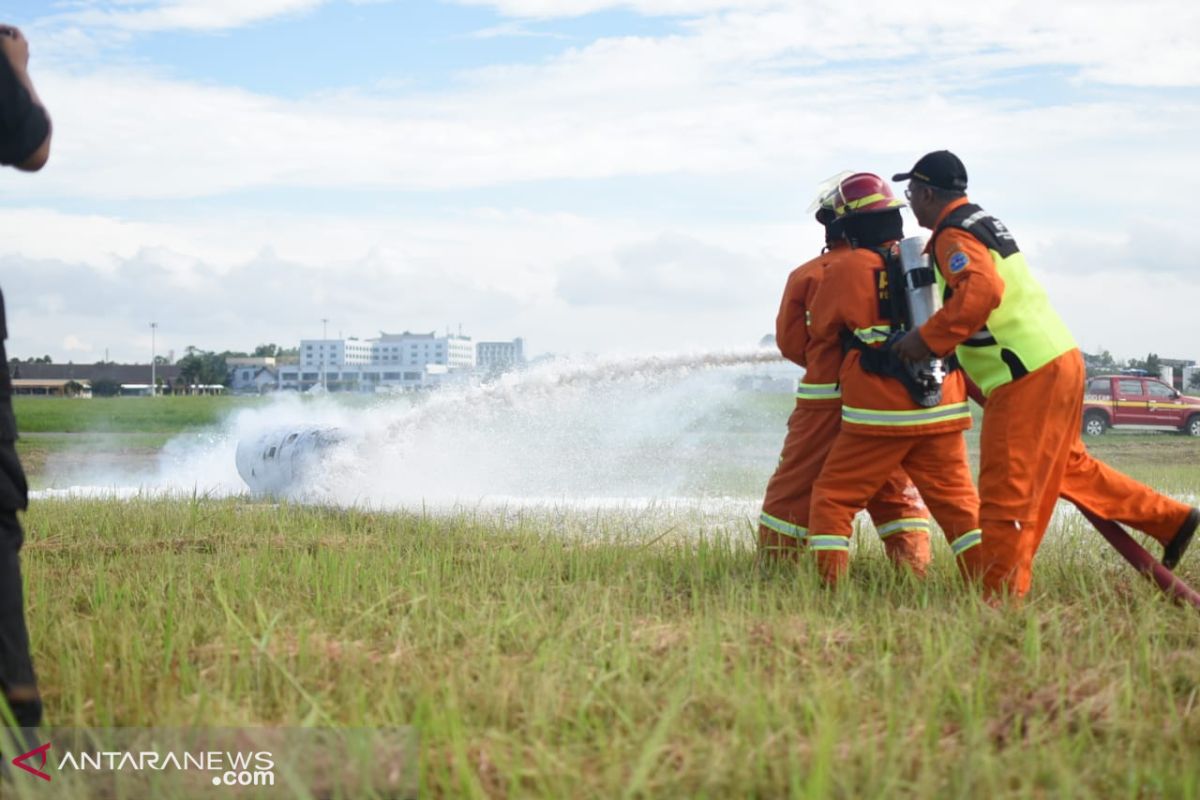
(923,301)
(920,281)
(279,461)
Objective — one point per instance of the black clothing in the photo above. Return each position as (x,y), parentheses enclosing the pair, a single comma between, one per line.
(873,230)
(23,124)
(8,425)
(16,663)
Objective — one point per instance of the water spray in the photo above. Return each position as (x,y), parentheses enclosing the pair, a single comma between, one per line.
(292,460)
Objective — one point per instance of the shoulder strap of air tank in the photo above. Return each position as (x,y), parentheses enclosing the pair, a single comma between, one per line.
(898,316)
(983,226)
(955,219)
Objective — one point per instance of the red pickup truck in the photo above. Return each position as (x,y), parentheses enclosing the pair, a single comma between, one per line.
(1130,400)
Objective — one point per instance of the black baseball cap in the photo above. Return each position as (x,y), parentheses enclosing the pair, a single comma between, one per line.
(940,168)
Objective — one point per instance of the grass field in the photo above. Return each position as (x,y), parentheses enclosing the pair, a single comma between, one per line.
(124,414)
(619,655)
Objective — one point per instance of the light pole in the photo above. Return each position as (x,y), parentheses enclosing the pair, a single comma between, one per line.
(324,336)
(153,358)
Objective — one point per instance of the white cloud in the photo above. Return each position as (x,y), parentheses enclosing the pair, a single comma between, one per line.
(567,284)
(755,102)
(762,89)
(501,274)
(1129,313)
(668,272)
(648,110)
(74,344)
(514,30)
(102,242)
(548,9)
(147,16)
(1112,41)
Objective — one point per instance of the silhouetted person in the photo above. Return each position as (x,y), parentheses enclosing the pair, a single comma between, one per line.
(24,144)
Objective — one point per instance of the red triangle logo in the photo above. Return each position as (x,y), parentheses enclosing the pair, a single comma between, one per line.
(19,761)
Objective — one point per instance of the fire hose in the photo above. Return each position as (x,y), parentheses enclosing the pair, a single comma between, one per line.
(1123,543)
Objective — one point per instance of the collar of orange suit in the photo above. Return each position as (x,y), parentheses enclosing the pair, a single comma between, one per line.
(953,204)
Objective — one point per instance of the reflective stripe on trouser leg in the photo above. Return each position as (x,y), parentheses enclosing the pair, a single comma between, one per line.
(906,541)
(897,525)
(833,556)
(968,555)
(965,542)
(779,526)
(829,543)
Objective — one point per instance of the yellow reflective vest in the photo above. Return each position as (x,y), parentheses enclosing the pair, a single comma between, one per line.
(1024,332)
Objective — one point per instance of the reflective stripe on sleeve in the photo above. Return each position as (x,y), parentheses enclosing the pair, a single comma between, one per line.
(980,338)
(965,542)
(818,391)
(875,334)
(908,524)
(779,526)
(920,416)
(829,542)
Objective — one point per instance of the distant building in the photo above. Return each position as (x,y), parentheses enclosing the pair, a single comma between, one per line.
(250,361)
(500,356)
(144,389)
(1176,371)
(362,377)
(51,388)
(252,374)
(117,373)
(400,350)
(394,360)
(1187,380)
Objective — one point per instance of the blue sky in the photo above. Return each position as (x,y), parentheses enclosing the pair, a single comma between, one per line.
(416,44)
(593,175)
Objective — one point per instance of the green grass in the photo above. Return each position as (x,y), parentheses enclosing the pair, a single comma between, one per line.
(604,654)
(559,656)
(124,414)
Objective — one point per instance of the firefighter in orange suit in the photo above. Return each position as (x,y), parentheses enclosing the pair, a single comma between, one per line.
(999,322)
(900,517)
(883,428)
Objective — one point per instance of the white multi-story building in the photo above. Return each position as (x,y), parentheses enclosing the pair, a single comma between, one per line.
(397,360)
(400,349)
(334,352)
(500,356)
(451,351)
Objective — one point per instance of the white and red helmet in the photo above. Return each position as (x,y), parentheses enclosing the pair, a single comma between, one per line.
(864,193)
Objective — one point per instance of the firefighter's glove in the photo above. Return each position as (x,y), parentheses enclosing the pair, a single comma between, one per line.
(912,347)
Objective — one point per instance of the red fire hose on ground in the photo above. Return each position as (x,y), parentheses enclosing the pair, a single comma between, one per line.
(1142,561)
(1124,544)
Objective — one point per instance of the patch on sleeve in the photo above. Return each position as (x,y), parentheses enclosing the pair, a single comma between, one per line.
(958,262)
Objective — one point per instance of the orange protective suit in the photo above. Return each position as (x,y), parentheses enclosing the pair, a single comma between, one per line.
(1031,452)
(899,515)
(883,430)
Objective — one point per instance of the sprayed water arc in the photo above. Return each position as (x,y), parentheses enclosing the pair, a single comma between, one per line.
(586,433)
